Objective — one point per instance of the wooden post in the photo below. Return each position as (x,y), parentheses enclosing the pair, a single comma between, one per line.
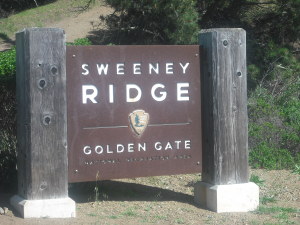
(225,122)
(42,124)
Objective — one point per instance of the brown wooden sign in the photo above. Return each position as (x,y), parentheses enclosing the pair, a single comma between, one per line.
(133,111)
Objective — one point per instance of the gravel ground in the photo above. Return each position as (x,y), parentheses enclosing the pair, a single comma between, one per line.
(169,200)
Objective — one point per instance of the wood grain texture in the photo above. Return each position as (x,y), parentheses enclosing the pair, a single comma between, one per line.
(42,122)
(224,108)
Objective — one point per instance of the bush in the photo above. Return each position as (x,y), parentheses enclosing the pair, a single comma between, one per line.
(80,41)
(8,118)
(7,65)
(152,22)
(7,135)
(266,155)
(274,113)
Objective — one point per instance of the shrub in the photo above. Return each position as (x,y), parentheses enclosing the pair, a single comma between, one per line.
(80,41)
(265,155)
(7,118)
(7,65)
(257,180)
(7,135)
(152,22)
(274,112)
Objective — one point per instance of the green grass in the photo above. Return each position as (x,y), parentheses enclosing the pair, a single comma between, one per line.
(179,221)
(266,199)
(296,169)
(39,16)
(256,179)
(275,209)
(113,217)
(129,212)
(160,217)
(283,215)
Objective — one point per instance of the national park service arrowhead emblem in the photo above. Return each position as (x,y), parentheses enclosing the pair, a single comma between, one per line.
(138,120)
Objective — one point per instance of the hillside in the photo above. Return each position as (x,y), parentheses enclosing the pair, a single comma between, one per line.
(61,14)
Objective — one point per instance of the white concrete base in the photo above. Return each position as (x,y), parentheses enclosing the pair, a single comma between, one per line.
(227,198)
(47,208)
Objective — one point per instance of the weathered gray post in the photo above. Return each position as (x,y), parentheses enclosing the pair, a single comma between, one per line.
(225,185)
(42,125)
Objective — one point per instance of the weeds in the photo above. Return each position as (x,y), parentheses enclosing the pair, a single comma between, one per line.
(275,209)
(129,212)
(297,169)
(113,217)
(282,214)
(179,221)
(256,179)
(80,41)
(265,200)
(159,217)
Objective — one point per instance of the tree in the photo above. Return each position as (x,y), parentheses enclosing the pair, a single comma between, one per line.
(153,22)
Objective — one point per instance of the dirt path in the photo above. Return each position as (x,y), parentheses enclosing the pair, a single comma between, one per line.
(77,26)
(80,25)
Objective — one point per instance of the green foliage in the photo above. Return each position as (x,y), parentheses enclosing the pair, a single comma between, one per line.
(273,131)
(130,213)
(7,118)
(274,110)
(275,65)
(283,214)
(7,135)
(275,209)
(266,199)
(296,170)
(264,20)
(80,41)
(270,157)
(153,22)
(7,65)
(256,179)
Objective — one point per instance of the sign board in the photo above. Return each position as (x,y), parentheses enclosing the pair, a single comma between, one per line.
(133,111)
